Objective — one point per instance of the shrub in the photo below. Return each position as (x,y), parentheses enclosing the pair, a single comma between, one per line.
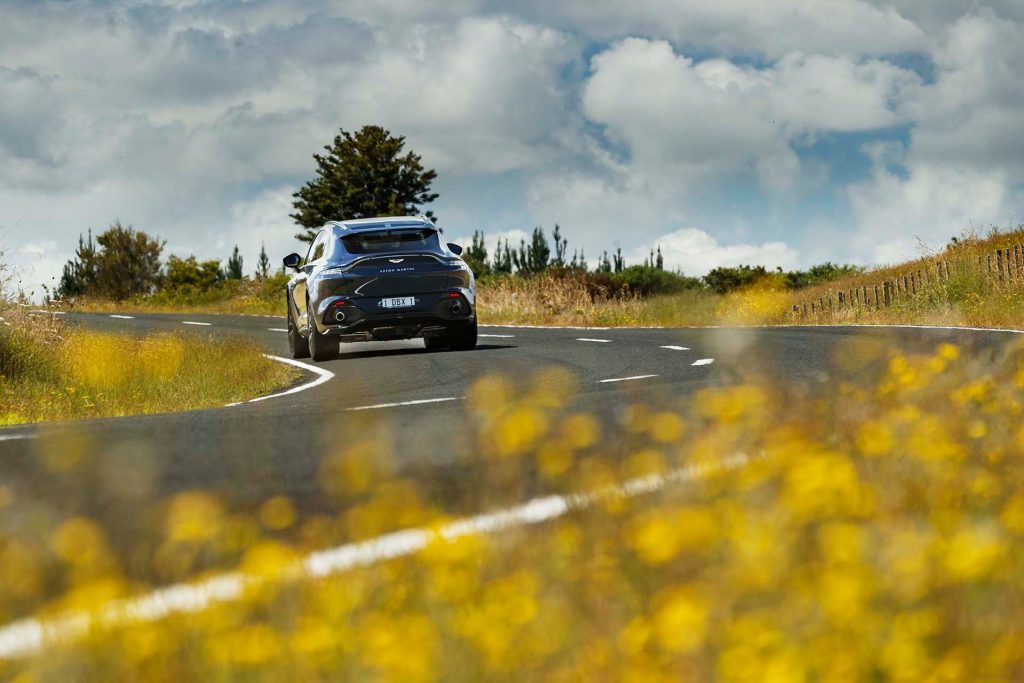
(648,280)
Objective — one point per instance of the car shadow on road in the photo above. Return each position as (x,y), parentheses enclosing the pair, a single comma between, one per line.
(412,352)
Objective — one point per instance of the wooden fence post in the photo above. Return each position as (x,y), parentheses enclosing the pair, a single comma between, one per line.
(999,264)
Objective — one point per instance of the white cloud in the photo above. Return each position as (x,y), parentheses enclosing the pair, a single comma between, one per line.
(695,252)
(691,118)
(964,166)
(741,26)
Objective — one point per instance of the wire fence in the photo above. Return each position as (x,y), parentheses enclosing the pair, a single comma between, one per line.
(1000,268)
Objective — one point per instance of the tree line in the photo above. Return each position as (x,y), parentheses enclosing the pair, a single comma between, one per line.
(122,262)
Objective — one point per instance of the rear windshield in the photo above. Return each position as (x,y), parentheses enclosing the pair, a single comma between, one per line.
(389,241)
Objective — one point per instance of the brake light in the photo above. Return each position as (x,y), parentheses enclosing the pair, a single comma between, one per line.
(453,295)
(340,302)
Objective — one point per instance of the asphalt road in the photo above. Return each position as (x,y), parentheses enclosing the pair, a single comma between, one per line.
(251,451)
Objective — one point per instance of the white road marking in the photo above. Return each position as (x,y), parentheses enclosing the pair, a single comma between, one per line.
(122,317)
(677,348)
(501,336)
(278,329)
(192,322)
(50,312)
(624,379)
(16,437)
(405,403)
(600,341)
(323,376)
(703,361)
(29,636)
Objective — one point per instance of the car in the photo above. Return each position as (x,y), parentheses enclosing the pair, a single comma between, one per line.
(379,279)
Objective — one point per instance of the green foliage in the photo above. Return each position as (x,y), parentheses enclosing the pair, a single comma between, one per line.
(561,244)
(189,273)
(263,264)
(723,279)
(502,259)
(234,269)
(820,274)
(535,257)
(362,176)
(121,262)
(476,255)
(647,280)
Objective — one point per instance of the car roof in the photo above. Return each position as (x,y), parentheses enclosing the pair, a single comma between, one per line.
(359,224)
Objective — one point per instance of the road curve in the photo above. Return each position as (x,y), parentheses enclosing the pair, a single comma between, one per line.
(251,451)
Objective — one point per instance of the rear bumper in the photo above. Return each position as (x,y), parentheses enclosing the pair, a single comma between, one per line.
(363,319)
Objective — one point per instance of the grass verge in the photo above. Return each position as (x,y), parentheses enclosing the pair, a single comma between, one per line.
(53,372)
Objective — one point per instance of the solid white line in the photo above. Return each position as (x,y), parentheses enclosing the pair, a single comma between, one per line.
(192,322)
(501,336)
(677,348)
(703,361)
(277,329)
(405,403)
(29,636)
(625,379)
(122,317)
(323,376)
(601,341)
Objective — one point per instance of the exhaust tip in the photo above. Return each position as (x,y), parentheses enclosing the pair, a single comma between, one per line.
(455,307)
(339,316)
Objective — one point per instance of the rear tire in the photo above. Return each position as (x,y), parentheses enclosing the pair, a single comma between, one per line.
(437,343)
(321,348)
(464,339)
(298,347)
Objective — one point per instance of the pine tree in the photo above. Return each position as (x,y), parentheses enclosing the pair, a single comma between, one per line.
(660,262)
(561,245)
(234,270)
(263,264)
(620,262)
(362,176)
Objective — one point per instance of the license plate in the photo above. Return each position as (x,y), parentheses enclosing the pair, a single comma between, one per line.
(398,302)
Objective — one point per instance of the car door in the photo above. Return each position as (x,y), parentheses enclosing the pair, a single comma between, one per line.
(299,289)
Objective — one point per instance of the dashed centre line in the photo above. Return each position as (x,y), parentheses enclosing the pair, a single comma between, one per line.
(277,329)
(625,379)
(192,322)
(405,403)
(599,341)
(122,317)
(676,348)
(703,361)
(501,336)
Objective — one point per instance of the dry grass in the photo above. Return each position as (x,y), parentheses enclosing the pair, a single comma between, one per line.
(50,371)
(967,296)
(875,534)
(261,297)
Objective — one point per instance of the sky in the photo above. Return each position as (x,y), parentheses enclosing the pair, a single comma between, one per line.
(775,132)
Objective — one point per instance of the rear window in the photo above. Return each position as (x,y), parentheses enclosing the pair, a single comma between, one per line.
(389,241)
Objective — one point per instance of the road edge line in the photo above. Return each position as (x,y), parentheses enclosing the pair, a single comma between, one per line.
(322,376)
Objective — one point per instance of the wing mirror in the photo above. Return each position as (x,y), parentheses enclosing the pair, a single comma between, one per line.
(292,261)
(455,249)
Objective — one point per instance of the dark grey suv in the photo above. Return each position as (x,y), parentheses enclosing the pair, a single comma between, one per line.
(377,279)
